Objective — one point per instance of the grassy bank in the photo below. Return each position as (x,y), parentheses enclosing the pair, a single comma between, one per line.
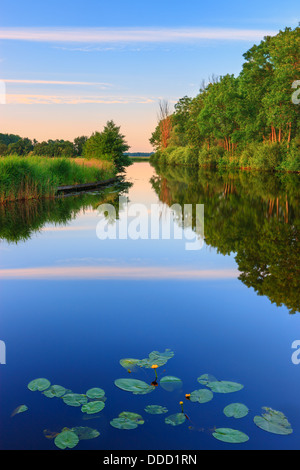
(23,178)
(263,156)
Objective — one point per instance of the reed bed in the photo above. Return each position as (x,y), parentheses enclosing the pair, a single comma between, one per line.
(24,178)
(101,164)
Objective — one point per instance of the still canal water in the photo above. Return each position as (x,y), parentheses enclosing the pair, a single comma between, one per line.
(72,306)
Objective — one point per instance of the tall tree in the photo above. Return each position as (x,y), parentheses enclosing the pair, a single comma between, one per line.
(108,145)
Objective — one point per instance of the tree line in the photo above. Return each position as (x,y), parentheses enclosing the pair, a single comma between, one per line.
(11,144)
(108,145)
(248,121)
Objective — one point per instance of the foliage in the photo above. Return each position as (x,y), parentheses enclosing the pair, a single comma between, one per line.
(248,121)
(224,386)
(66,439)
(274,422)
(156,409)
(175,419)
(231,436)
(201,396)
(127,420)
(93,407)
(108,145)
(137,387)
(236,410)
(39,385)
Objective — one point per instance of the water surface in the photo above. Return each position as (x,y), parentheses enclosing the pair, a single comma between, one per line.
(72,306)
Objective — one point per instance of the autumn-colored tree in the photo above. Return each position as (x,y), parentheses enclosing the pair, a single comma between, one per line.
(165,123)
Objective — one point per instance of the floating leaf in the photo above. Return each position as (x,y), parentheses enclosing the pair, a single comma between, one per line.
(176,419)
(236,410)
(55,391)
(230,435)
(66,439)
(85,433)
(129,364)
(75,399)
(156,409)
(201,396)
(223,386)
(205,378)
(123,423)
(95,393)
(93,407)
(137,387)
(39,384)
(156,358)
(19,409)
(138,419)
(274,422)
(170,383)
(127,420)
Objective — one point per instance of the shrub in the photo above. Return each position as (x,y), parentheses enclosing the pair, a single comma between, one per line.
(267,156)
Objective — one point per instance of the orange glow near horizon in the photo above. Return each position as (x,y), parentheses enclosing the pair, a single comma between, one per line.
(66,121)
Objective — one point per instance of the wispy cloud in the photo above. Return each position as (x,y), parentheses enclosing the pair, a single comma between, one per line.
(137,35)
(64,99)
(118,272)
(55,82)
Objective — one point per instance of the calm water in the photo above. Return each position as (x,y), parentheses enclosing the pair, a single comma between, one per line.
(72,306)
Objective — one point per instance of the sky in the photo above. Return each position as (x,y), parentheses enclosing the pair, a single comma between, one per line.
(70,66)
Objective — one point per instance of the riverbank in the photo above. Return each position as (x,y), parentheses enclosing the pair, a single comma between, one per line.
(261,156)
(25,178)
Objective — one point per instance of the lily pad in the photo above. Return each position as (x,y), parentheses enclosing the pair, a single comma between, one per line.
(156,409)
(75,399)
(274,422)
(123,423)
(170,383)
(223,386)
(39,385)
(85,433)
(93,407)
(156,358)
(176,419)
(201,396)
(66,439)
(231,436)
(137,387)
(129,364)
(55,391)
(138,419)
(236,410)
(95,393)
(19,409)
(206,378)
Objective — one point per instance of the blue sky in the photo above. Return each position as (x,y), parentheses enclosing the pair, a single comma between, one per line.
(71,66)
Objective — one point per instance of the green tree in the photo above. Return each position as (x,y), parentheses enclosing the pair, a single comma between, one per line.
(3,149)
(79,144)
(108,145)
(21,147)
